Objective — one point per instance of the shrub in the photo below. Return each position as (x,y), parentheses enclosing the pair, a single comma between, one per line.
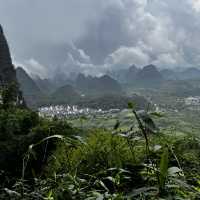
(20,128)
(100,150)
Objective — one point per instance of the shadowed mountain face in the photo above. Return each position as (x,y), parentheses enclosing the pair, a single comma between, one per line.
(47,86)
(124,75)
(65,95)
(149,74)
(7,71)
(25,81)
(97,85)
(168,74)
(32,93)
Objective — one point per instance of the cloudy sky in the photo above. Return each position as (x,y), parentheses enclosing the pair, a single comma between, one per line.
(92,36)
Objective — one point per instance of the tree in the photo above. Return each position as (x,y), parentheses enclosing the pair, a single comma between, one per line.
(10,95)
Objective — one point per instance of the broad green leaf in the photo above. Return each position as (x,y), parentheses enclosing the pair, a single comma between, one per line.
(164,167)
(157,148)
(117,124)
(157,114)
(172,171)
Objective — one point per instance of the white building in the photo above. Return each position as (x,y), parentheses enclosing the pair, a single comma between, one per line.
(192,101)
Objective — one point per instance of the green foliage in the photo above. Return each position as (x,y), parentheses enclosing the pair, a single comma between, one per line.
(163,168)
(100,151)
(20,128)
(55,161)
(16,122)
(9,95)
(130,105)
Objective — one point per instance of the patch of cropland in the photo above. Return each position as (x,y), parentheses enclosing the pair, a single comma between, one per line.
(107,102)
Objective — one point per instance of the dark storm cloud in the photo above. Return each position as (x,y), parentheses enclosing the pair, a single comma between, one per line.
(93,36)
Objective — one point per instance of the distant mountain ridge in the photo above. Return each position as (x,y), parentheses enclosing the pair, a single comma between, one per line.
(124,75)
(146,76)
(84,87)
(149,76)
(85,90)
(97,85)
(191,73)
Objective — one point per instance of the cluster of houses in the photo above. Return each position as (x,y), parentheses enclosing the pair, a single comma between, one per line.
(62,111)
(192,101)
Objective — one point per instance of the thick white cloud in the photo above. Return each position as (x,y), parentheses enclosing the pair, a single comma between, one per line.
(35,68)
(126,56)
(196,5)
(163,32)
(107,34)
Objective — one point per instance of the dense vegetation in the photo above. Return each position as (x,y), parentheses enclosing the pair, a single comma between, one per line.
(49,159)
